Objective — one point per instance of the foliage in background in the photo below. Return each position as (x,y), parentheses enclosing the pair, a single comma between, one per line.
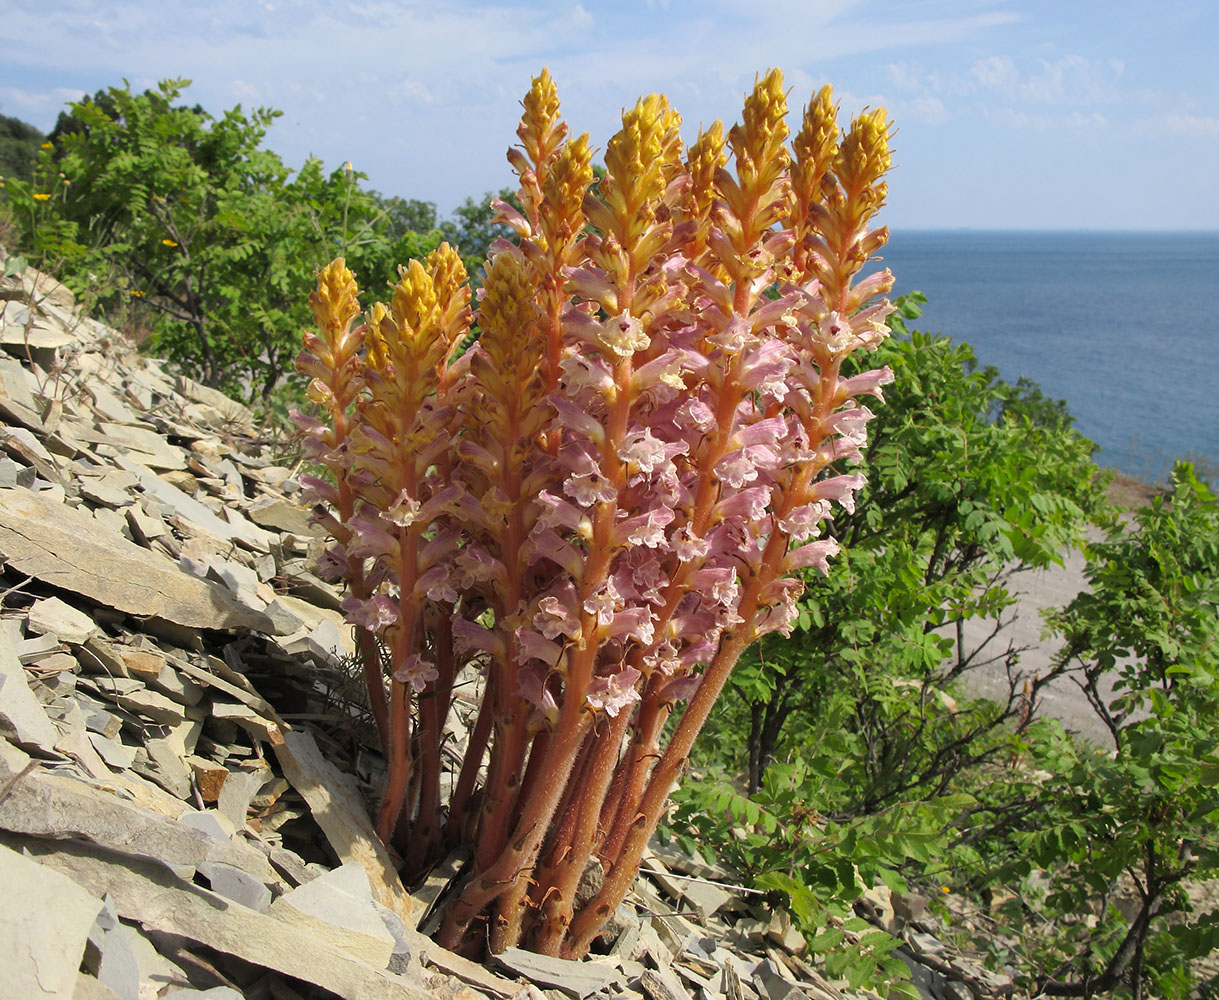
(180,226)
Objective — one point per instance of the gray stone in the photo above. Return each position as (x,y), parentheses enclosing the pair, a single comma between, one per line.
(168,770)
(575,979)
(338,906)
(215,824)
(145,892)
(237,885)
(283,515)
(116,755)
(110,957)
(243,530)
(52,616)
(52,542)
(100,492)
(22,718)
(337,805)
(235,795)
(44,924)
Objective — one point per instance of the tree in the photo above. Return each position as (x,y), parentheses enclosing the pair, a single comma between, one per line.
(19,144)
(1143,813)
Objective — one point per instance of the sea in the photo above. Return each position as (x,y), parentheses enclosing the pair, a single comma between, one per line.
(1122,325)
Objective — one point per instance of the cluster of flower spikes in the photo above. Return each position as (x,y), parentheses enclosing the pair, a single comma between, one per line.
(611,494)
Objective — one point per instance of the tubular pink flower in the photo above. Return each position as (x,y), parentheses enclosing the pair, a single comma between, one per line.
(749,504)
(557,613)
(647,529)
(404,511)
(416,672)
(374,614)
(642,451)
(469,636)
(866,383)
(613,693)
(622,335)
(314,491)
(369,536)
(804,522)
(559,513)
(816,554)
(696,415)
(840,488)
(533,646)
(604,603)
(546,544)
(681,688)
(533,688)
(575,418)
(688,546)
(635,623)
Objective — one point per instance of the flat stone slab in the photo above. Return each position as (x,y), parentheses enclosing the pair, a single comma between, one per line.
(59,545)
(44,923)
(147,893)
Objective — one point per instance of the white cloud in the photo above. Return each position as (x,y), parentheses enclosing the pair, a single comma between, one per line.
(39,108)
(1190,125)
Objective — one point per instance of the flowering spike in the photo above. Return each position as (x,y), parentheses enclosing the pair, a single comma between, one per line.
(609,495)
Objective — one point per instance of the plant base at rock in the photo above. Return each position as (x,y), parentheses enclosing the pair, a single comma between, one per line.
(609,496)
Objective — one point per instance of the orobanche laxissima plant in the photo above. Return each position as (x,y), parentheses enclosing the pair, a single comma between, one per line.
(607,497)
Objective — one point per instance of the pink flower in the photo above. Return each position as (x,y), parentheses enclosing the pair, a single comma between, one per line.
(804,522)
(623,335)
(841,489)
(416,672)
(580,372)
(533,688)
(696,415)
(680,688)
(532,646)
(374,614)
(369,537)
(317,490)
(559,513)
(749,504)
(604,603)
(469,636)
(586,485)
(557,613)
(546,544)
(613,693)
(633,623)
(688,546)
(404,511)
(642,451)
(816,554)
(332,564)
(866,383)
(646,529)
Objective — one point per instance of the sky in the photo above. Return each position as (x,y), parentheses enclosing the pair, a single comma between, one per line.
(1011,114)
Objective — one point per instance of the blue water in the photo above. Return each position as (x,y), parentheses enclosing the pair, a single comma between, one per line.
(1123,326)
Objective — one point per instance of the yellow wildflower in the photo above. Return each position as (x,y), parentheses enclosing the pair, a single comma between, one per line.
(168,243)
(945,888)
(39,196)
(137,293)
(47,145)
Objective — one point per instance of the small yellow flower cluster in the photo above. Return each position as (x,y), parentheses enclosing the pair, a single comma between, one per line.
(137,293)
(168,243)
(39,196)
